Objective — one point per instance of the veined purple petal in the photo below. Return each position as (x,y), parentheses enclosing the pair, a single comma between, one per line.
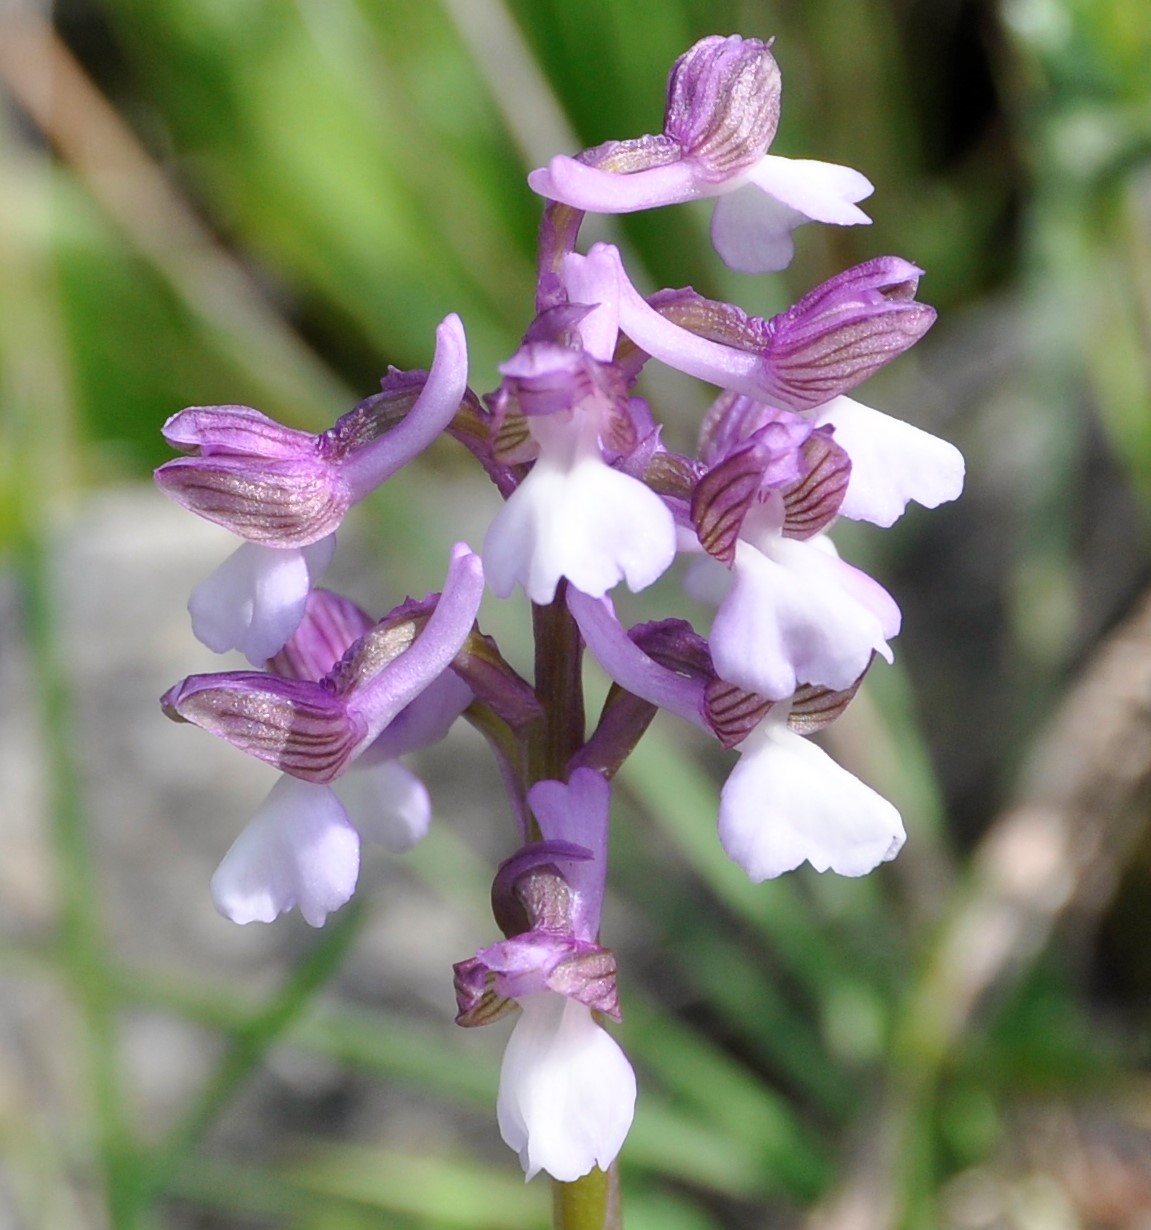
(733,420)
(297,726)
(879,284)
(723,497)
(836,336)
(366,468)
(330,626)
(623,661)
(282,502)
(298,850)
(813,709)
(812,502)
(733,712)
(723,104)
(237,431)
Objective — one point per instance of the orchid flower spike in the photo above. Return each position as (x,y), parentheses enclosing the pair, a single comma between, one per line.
(721,117)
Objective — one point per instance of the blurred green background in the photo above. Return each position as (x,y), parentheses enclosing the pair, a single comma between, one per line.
(267,202)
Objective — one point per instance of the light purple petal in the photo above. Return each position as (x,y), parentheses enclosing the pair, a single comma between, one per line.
(624,661)
(787,802)
(567,1092)
(366,468)
(751,231)
(236,430)
(821,191)
(379,699)
(298,850)
(423,722)
(255,600)
(738,370)
(798,615)
(387,803)
(578,811)
(608,192)
(594,279)
(892,463)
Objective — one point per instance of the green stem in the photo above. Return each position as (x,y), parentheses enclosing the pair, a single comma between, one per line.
(590,1203)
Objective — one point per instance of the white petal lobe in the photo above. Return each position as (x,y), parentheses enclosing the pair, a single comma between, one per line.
(297,850)
(567,1092)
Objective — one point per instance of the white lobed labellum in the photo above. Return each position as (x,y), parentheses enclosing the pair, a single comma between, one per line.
(297,850)
(567,1092)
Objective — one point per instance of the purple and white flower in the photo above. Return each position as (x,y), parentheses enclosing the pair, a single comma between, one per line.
(286,491)
(721,117)
(786,801)
(567,1092)
(575,515)
(335,736)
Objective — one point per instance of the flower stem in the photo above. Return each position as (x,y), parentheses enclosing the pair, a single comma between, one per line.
(590,1203)
(559,686)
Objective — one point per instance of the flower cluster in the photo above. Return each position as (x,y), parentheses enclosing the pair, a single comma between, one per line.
(593,498)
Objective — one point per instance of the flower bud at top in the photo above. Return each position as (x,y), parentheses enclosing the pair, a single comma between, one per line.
(723,103)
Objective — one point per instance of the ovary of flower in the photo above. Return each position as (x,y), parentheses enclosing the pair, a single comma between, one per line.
(795,613)
(574,516)
(567,1092)
(787,802)
(255,599)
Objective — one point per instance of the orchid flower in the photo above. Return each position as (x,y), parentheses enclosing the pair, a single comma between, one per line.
(286,492)
(721,117)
